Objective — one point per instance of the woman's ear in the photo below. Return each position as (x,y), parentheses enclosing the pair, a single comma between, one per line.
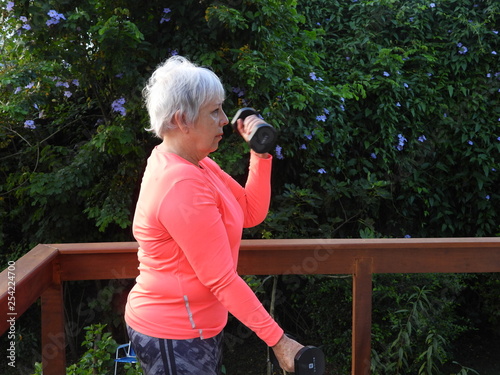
(179,120)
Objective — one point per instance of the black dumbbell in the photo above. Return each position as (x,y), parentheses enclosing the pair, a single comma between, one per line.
(309,360)
(263,137)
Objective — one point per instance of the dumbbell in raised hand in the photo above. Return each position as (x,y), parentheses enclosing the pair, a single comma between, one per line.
(309,360)
(263,137)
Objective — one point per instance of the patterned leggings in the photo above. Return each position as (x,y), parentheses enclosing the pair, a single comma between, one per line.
(177,357)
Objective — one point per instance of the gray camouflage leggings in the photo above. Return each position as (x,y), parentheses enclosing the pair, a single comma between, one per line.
(177,357)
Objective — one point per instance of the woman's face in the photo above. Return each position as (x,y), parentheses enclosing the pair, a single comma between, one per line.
(207,128)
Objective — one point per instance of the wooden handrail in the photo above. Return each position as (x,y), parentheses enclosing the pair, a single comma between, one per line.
(41,272)
(25,282)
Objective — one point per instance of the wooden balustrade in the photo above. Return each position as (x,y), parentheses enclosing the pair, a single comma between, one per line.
(41,272)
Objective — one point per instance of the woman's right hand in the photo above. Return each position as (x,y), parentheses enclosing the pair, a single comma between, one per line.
(285,351)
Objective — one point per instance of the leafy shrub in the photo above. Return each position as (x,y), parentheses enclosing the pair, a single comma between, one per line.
(387,112)
(98,358)
(409,94)
(415,320)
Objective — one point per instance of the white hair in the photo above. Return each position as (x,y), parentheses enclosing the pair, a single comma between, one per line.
(179,85)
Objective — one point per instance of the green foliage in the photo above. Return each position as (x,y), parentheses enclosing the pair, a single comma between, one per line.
(98,358)
(379,153)
(387,113)
(367,128)
(415,319)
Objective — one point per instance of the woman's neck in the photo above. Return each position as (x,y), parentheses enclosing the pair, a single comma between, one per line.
(170,145)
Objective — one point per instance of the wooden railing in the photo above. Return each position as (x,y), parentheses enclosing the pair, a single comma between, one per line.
(41,272)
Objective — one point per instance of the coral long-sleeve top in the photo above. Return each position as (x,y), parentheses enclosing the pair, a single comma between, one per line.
(188,223)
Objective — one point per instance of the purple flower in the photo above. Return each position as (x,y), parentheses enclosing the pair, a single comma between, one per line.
(67,94)
(165,17)
(470,142)
(117,106)
(387,74)
(327,112)
(23,19)
(432,5)
(303,147)
(314,78)
(278,150)
(26,27)
(401,144)
(17,90)
(422,138)
(29,124)
(321,171)
(493,52)
(407,236)
(487,197)
(239,91)
(462,49)
(398,104)
(55,18)
(29,85)
(342,107)
(75,82)
(10,6)
(321,118)
(373,155)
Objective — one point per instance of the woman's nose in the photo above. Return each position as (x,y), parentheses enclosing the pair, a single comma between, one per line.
(224,120)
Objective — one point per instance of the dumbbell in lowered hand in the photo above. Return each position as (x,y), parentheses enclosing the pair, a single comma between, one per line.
(309,360)
(263,137)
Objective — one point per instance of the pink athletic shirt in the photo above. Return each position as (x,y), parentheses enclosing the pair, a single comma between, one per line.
(188,223)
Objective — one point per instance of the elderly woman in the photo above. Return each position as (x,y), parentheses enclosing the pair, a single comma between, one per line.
(188,222)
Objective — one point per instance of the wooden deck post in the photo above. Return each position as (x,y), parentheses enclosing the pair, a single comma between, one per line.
(53,337)
(361,316)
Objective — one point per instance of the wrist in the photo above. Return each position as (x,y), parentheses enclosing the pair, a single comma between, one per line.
(280,341)
(262,156)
